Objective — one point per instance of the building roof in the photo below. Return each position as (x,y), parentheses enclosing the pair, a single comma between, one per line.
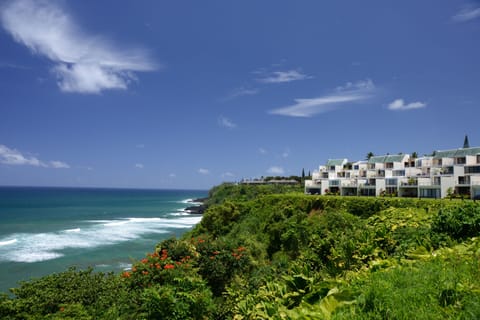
(388,158)
(336,162)
(395,157)
(454,153)
(376,159)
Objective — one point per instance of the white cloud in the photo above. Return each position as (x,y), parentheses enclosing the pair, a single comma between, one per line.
(139,165)
(275,170)
(82,63)
(14,157)
(399,105)
(59,165)
(228,175)
(366,84)
(286,153)
(203,171)
(466,14)
(172,175)
(242,91)
(284,76)
(350,92)
(226,123)
(262,151)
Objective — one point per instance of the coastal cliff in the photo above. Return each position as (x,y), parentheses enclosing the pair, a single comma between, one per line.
(260,254)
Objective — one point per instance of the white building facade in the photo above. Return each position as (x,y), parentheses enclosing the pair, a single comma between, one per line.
(447,172)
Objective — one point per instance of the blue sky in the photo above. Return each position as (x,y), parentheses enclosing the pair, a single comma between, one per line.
(187,94)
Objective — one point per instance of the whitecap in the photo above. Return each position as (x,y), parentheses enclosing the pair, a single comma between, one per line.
(7,242)
(34,247)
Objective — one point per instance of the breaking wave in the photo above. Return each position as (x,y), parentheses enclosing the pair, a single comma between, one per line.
(35,247)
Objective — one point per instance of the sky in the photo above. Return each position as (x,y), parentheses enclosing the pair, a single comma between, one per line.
(188,94)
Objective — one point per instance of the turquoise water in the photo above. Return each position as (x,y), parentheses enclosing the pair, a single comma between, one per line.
(45,230)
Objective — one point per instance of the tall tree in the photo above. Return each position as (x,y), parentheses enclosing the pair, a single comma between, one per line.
(369,155)
(465,143)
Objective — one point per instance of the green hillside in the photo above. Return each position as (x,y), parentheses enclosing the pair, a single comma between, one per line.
(265,252)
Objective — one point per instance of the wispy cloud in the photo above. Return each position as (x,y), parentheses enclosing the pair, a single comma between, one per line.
(82,63)
(226,123)
(242,91)
(14,157)
(203,171)
(350,92)
(276,170)
(399,105)
(228,175)
(7,65)
(284,76)
(140,146)
(139,165)
(262,151)
(58,165)
(467,14)
(286,153)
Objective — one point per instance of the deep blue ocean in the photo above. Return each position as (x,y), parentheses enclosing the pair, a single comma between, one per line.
(45,230)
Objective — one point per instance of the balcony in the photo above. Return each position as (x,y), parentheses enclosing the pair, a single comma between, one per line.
(412,182)
(462,181)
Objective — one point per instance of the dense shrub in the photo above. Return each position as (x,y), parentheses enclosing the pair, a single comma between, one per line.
(458,222)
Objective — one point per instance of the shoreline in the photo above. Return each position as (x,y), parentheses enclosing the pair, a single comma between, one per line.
(198,208)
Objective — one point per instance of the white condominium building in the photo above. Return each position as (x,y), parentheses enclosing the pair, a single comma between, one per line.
(446,172)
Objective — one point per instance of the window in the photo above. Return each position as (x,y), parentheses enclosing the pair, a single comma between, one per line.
(334,183)
(356,167)
(391,182)
(460,160)
(389,165)
(472,169)
(399,173)
(478,158)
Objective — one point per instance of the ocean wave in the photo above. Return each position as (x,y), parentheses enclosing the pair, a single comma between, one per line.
(35,247)
(7,242)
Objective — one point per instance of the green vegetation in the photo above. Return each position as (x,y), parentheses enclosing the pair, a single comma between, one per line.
(269,252)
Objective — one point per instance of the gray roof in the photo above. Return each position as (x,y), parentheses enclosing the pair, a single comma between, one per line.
(336,162)
(395,158)
(376,159)
(387,158)
(454,153)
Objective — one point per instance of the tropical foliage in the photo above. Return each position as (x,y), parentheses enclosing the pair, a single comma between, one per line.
(267,252)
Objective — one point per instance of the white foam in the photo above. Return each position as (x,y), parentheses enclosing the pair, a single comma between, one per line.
(28,247)
(7,242)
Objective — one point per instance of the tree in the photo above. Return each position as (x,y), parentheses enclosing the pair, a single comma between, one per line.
(466,144)
(303,174)
(414,155)
(369,155)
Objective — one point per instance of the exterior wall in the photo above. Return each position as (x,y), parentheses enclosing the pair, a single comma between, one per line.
(447,182)
(379,186)
(423,177)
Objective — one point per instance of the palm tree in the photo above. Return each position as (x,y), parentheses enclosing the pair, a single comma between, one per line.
(369,155)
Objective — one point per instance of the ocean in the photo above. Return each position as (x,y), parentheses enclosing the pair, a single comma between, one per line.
(45,230)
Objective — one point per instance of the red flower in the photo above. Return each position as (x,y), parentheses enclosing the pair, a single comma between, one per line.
(144,260)
(126,274)
(144,273)
(169,266)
